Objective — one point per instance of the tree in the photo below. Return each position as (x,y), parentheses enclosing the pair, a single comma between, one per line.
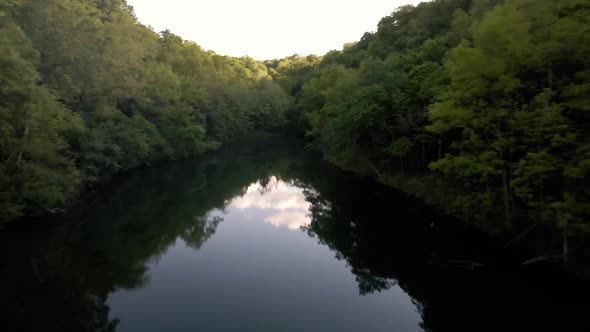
(36,169)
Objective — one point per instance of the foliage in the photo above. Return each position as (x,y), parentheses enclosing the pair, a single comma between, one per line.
(490,93)
(86,91)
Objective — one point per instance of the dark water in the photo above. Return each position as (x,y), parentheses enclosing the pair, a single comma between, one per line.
(265,237)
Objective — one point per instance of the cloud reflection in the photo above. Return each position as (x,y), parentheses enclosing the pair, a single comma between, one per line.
(285,203)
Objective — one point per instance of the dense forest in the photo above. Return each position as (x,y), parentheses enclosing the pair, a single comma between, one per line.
(489,97)
(86,91)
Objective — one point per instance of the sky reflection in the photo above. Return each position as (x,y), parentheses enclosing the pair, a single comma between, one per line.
(284,204)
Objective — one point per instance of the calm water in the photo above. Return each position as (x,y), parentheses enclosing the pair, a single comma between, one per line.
(262,237)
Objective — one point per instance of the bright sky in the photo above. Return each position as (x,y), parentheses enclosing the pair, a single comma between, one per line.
(267,29)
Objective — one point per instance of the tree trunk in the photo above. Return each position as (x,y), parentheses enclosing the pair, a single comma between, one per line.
(439,148)
(506,195)
(20,154)
(565,243)
(510,178)
(377,172)
(9,158)
(549,84)
(505,190)
(423,156)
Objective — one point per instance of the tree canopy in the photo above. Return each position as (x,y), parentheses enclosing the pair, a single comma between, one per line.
(490,94)
(86,91)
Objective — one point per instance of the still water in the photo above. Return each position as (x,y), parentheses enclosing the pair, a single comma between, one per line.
(263,237)
(258,272)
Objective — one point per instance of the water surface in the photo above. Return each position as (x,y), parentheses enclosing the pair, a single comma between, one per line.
(263,237)
(259,272)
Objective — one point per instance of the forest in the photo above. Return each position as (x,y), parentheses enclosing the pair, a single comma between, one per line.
(86,91)
(486,100)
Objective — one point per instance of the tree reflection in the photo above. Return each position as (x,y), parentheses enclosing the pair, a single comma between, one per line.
(197,234)
(58,275)
(388,238)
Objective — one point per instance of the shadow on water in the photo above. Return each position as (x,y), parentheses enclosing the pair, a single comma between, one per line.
(56,275)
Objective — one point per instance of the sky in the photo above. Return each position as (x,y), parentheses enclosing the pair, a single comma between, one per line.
(266,29)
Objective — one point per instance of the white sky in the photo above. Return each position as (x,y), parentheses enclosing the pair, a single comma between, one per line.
(267,29)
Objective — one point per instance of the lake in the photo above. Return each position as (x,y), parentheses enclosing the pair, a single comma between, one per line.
(264,236)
